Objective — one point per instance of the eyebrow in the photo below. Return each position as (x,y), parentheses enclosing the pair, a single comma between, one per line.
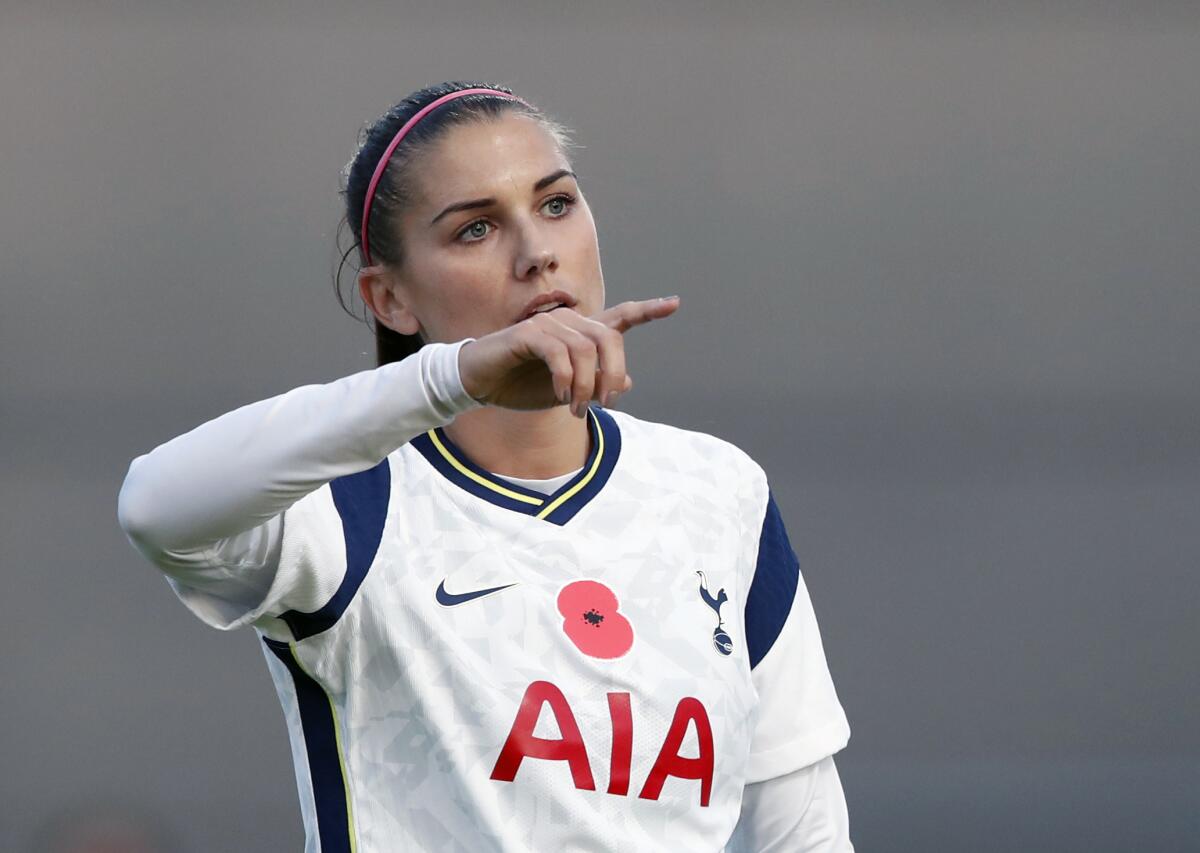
(484,202)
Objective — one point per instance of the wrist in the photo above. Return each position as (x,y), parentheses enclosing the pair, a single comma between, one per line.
(462,366)
(443,379)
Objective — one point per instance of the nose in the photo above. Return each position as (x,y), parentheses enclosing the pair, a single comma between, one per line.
(535,256)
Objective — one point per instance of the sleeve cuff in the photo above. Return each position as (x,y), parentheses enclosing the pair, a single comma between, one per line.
(798,753)
(443,381)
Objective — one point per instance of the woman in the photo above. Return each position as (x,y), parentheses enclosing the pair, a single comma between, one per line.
(498,615)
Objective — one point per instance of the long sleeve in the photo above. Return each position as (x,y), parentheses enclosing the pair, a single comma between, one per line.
(800,812)
(207,507)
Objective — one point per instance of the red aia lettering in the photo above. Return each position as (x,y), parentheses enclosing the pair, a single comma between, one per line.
(622,743)
(521,744)
(671,763)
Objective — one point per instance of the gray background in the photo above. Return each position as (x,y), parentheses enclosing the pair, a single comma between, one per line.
(939,267)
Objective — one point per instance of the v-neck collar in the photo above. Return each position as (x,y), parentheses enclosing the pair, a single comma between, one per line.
(557,508)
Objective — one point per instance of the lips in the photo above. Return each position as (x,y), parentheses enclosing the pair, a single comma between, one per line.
(548,302)
(592,620)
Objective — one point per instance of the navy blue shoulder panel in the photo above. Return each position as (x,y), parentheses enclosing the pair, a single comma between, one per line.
(773,589)
(362,502)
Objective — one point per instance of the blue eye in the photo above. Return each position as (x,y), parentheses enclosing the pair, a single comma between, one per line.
(562,205)
(476,230)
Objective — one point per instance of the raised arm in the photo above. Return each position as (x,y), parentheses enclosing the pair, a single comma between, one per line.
(240,470)
(207,507)
(245,467)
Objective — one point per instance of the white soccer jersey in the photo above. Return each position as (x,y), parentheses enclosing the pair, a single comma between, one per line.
(465,664)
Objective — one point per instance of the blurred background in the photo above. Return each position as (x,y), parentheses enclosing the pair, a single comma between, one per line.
(940,269)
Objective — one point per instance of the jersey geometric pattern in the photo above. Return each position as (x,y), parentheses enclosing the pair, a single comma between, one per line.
(362,502)
(602,668)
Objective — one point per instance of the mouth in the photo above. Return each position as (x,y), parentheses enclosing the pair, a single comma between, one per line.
(544,302)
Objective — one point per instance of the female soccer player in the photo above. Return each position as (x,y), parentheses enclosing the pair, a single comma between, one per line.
(500,615)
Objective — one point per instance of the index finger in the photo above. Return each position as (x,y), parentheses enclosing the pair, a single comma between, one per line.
(626,315)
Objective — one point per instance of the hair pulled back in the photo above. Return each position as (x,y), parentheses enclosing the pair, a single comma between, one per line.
(396,188)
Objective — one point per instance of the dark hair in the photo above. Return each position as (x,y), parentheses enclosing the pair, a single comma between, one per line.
(395,190)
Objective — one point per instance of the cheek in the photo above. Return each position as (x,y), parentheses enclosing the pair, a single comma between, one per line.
(586,254)
(460,295)
(459,278)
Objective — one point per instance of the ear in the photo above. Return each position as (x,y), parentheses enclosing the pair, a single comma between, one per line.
(384,295)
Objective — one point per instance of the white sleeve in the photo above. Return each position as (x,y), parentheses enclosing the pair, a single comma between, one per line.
(210,507)
(800,812)
(800,719)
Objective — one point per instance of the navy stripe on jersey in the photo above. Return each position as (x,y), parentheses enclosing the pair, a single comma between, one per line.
(362,502)
(444,455)
(588,484)
(559,508)
(324,757)
(773,589)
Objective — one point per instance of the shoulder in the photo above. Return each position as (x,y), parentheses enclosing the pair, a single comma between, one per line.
(691,452)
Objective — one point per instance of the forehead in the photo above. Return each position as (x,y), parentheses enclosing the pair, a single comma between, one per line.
(484,158)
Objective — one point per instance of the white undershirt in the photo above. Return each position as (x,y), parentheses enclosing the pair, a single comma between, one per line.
(546,487)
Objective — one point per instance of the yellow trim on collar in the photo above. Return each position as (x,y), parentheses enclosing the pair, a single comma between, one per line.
(565,496)
(467,472)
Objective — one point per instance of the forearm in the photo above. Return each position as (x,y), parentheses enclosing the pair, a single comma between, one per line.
(237,471)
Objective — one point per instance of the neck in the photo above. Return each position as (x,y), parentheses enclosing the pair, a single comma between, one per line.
(532,445)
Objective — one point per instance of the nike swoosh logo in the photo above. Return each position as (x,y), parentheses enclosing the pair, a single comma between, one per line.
(448,599)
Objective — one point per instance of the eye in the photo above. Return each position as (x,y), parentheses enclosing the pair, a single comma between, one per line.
(559,205)
(475,231)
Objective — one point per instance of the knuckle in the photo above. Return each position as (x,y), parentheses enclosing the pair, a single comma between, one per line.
(581,347)
(528,330)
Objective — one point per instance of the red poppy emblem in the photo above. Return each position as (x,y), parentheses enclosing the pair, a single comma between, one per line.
(592,621)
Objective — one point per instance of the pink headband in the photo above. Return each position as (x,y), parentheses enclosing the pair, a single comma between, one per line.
(400,134)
